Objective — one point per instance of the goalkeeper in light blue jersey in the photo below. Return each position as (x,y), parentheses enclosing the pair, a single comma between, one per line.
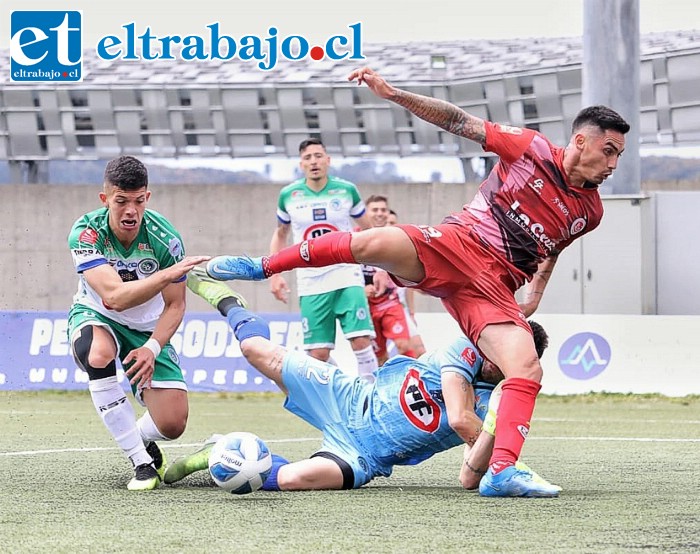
(414,409)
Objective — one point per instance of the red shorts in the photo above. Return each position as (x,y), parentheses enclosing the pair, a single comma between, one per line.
(475,286)
(389,323)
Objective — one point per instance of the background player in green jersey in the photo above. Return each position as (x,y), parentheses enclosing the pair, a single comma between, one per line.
(130,301)
(311,207)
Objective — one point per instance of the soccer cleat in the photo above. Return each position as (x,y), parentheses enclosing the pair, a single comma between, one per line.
(514,482)
(242,268)
(536,477)
(145,478)
(211,290)
(187,465)
(159,461)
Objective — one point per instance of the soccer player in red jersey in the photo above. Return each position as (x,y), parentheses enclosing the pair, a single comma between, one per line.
(536,201)
(388,316)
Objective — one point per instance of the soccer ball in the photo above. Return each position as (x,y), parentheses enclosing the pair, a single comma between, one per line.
(240,462)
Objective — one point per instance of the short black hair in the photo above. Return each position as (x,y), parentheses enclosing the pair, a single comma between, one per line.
(541,337)
(392,212)
(304,144)
(126,173)
(602,117)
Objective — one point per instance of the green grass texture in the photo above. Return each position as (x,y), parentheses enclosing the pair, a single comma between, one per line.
(628,466)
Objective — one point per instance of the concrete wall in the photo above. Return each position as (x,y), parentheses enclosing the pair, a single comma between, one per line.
(624,267)
(36,268)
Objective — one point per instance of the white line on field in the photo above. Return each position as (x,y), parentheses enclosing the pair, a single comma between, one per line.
(612,439)
(588,420)
(309,439)
(110,448)
(543,419)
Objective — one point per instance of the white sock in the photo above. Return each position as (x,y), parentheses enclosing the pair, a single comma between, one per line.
(149,431)
(119,417)
(366,363)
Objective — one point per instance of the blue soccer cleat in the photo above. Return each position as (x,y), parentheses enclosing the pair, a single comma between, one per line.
(241,268)
(515,482)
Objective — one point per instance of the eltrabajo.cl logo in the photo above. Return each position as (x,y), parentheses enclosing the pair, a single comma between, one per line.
(46,46)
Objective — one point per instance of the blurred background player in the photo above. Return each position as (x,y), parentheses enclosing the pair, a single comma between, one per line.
(310,207)
(388,315)
(407,297)
(130,301)
(414,409)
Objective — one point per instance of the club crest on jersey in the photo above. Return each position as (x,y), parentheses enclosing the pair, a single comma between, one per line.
(147,266)
(578,225)
(417,404)
(536,185)
(319,214)
(88,236)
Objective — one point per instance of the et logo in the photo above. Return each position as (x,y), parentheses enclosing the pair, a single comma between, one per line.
(46,46)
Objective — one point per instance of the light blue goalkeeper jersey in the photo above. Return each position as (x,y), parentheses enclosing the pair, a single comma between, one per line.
(403,419)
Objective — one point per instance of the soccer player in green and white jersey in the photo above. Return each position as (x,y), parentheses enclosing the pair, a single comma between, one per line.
(130,301)
(311,207)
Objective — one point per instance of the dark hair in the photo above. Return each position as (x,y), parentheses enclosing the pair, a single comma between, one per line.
(310,142)
(602,117)
(541,337)
(377,198)
(392,212)
(126,173)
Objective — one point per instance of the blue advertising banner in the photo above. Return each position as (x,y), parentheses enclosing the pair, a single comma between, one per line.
(35,354)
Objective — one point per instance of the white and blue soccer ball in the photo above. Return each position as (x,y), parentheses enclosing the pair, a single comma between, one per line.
(240,462)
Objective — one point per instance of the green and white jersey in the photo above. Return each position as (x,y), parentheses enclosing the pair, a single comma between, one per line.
(311,214)
(157,246)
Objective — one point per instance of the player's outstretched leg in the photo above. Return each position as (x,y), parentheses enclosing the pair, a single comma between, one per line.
(512,481)
(328,249)
(188,465)
(216,293)
(242,268)
(270,483)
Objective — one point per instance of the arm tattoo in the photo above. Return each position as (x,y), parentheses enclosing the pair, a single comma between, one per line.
(443,114)
(474,469)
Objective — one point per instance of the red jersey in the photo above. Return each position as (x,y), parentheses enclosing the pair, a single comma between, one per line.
(526,209)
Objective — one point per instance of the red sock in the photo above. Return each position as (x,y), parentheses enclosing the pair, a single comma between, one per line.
(513,421)
(329,249)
